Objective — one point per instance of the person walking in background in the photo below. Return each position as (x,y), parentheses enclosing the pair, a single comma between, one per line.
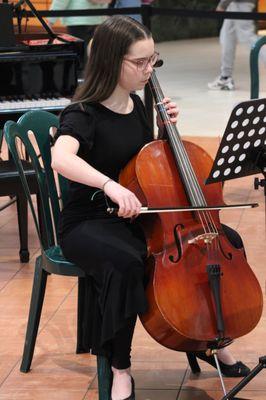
(82,27)
(129,3)
(233,31)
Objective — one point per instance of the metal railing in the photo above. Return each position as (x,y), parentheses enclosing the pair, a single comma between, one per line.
(254,67)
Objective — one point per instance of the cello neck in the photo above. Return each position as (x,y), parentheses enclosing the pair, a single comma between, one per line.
(184,166)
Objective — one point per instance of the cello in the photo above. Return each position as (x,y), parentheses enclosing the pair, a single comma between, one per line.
(201,291)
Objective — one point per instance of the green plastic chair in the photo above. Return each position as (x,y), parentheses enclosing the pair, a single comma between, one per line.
(254,67)
(37,125)
(1,139)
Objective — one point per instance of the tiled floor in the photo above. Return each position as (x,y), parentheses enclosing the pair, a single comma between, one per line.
(57,372)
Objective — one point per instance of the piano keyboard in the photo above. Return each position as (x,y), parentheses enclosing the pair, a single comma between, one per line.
(18,106)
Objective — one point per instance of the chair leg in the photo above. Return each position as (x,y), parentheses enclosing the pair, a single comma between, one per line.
(37,296)
(81,295)
(105,378)
(22,209)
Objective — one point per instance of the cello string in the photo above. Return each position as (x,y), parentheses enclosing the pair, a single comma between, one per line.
(173,134)
(173,137)
(186,161)
(197,194)
(197,189)
(169,127)
(205,218)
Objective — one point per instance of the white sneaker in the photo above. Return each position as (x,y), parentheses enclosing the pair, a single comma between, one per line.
(222,84)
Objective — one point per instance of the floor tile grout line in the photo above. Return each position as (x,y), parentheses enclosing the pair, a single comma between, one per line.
(182,382)
(11,278)
(40,331)
(57,309)
(19,270)
(89,388)
(10,371)
(7,222)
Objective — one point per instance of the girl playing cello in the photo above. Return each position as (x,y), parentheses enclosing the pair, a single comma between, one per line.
(99,133)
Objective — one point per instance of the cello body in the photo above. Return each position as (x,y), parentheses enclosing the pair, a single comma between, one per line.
(182,313)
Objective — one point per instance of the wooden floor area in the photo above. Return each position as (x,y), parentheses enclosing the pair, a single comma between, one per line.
(160,374)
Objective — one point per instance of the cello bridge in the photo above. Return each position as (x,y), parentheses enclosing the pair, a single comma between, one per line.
(207,238)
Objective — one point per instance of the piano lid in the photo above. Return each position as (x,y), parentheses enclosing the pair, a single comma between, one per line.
(10,42)
(42,42)
(35,39)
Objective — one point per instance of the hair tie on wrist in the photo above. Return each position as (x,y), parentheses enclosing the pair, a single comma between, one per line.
(108,180)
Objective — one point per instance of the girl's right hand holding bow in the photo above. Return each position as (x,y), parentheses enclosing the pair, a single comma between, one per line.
(128,203)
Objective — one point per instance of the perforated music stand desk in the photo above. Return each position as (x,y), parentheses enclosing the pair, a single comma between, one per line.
(243,146)
(242,152)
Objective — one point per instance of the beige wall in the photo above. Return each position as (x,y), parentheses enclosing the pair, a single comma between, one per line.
(262,8)
(40,5)
(262,5)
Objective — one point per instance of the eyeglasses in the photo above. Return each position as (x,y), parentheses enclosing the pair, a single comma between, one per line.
(142,63)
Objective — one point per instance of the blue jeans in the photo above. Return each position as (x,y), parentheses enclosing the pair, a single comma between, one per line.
(129,3)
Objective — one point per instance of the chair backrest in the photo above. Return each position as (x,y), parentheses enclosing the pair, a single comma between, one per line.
(40,122)
(1,141)
(35,126)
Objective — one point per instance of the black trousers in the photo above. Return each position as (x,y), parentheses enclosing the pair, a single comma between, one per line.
(112,252)
(121,345)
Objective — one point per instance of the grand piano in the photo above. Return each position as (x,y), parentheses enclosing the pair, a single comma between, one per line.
(37,71)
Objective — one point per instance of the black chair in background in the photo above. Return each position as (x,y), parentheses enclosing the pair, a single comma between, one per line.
(10,186)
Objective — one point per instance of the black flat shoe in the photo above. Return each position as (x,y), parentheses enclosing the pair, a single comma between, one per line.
(235,370)
(132,396)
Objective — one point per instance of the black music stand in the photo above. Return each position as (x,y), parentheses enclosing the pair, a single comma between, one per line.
(36,14)
(7,35)
(242,152)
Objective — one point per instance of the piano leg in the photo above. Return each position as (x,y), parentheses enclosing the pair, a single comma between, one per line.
(22,209)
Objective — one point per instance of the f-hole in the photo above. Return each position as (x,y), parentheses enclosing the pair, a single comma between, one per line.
(177,228)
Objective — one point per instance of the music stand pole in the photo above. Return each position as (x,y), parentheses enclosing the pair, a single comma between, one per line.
(262,182)
(36,14)
(262,364)
(242,152)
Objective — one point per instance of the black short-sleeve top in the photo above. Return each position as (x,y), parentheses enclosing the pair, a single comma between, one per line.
(108,140)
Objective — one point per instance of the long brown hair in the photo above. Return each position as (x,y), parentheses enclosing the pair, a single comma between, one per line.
(110,44)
